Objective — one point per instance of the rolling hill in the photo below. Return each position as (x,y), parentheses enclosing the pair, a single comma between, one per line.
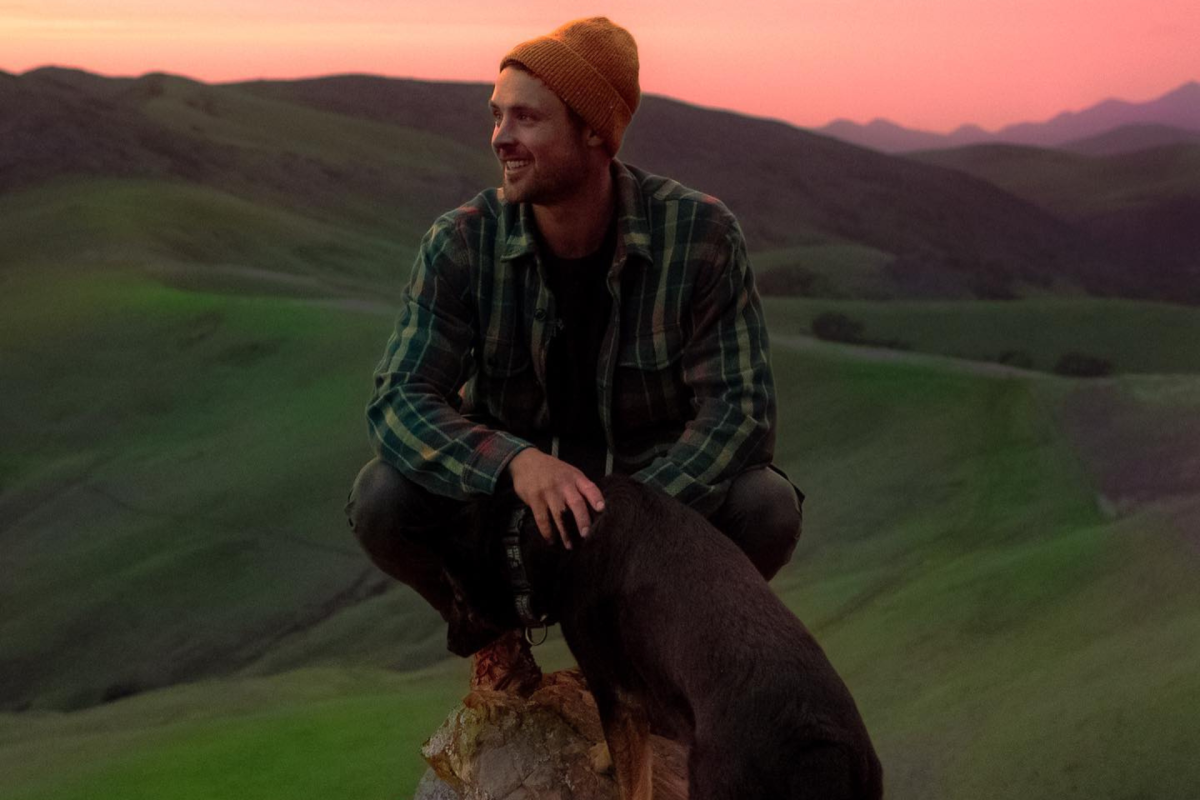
(196,282)
(379,159)
(1177,109)
(1130,139)
(1144,205)
(989,558)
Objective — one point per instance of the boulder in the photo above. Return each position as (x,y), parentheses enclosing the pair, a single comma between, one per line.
(548,745)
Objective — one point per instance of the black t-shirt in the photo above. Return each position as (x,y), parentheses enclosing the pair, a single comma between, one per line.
(583,304)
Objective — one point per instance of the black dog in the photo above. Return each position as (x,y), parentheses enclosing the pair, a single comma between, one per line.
(672,625)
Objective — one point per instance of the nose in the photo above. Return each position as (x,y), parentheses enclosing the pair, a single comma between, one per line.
(502,133)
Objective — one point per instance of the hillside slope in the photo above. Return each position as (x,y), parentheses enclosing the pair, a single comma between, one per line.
(943,234)
(221,177)
(1144,205)
(1131,139)
(988,558)
(196,282)
(382,158)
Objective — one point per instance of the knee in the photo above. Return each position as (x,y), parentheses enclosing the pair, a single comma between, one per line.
(763,513)
(373,508)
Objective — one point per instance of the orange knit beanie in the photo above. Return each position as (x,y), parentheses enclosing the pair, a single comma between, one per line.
(592,65)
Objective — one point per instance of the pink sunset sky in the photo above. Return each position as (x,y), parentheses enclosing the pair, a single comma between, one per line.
(931,64)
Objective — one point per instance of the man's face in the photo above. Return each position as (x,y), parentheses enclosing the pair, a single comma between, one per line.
(542,148)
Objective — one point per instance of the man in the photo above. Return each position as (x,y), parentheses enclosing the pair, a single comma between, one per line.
(587,317)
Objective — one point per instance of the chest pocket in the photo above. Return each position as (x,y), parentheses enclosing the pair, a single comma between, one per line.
(503,358)
(653,351)
(505,385)
(649,387)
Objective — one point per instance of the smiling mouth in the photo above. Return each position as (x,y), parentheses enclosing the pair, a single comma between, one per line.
(515,165)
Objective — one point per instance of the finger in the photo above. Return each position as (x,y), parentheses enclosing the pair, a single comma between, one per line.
(542,518)
(562,528)
(579,509)
(592,492)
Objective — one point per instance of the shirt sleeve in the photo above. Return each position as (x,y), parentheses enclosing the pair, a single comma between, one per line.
(413,419)
(726,365)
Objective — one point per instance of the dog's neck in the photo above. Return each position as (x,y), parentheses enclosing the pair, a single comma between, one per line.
(479,563)
(543,564)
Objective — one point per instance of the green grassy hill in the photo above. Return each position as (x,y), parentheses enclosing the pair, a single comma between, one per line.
(164,169)
(1133,336)
(1008,595)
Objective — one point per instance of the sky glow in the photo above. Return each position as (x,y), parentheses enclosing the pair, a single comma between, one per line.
(931,64)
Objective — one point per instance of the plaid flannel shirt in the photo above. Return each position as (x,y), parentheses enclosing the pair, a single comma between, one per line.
(686,395)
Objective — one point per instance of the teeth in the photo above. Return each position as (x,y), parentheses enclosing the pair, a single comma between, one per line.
(516,164)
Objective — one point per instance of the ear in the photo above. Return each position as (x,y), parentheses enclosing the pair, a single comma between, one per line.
(594,139)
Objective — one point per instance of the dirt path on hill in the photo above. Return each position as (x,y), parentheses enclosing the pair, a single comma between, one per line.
(1139,438)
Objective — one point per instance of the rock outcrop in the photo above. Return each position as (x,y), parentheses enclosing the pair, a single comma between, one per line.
(548,745)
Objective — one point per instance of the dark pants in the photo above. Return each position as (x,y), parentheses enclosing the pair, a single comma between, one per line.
(391,516)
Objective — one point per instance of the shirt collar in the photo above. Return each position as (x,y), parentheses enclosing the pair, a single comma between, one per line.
(517,224)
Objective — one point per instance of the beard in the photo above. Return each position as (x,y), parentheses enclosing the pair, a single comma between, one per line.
(547,180)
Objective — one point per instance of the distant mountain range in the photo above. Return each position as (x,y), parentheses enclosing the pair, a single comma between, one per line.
(340,176)
(1172,118)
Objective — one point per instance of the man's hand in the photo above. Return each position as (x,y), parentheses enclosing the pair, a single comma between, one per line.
(550,488)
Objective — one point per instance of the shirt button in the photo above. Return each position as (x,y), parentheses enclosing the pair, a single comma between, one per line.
(540,315)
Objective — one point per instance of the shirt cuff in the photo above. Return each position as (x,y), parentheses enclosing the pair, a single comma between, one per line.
(485,468)
(665,474)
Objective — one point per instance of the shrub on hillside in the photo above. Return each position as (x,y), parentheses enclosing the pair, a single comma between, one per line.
(993,283)
(833,326)
(1016,358)
(793,281)
(119,691)
(1081,365)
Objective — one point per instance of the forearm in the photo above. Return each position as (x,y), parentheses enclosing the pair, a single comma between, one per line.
(435,446)
(414,420)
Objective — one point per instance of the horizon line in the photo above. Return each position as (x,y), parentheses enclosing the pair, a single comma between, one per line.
(458,81)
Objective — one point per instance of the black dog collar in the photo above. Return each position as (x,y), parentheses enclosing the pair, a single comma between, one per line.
(519,579)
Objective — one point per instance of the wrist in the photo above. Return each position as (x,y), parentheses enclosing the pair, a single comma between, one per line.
(522,459)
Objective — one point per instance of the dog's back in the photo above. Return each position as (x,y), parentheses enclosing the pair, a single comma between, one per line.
(661,608)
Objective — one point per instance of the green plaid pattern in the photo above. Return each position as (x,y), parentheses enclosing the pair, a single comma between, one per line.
(687,399)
